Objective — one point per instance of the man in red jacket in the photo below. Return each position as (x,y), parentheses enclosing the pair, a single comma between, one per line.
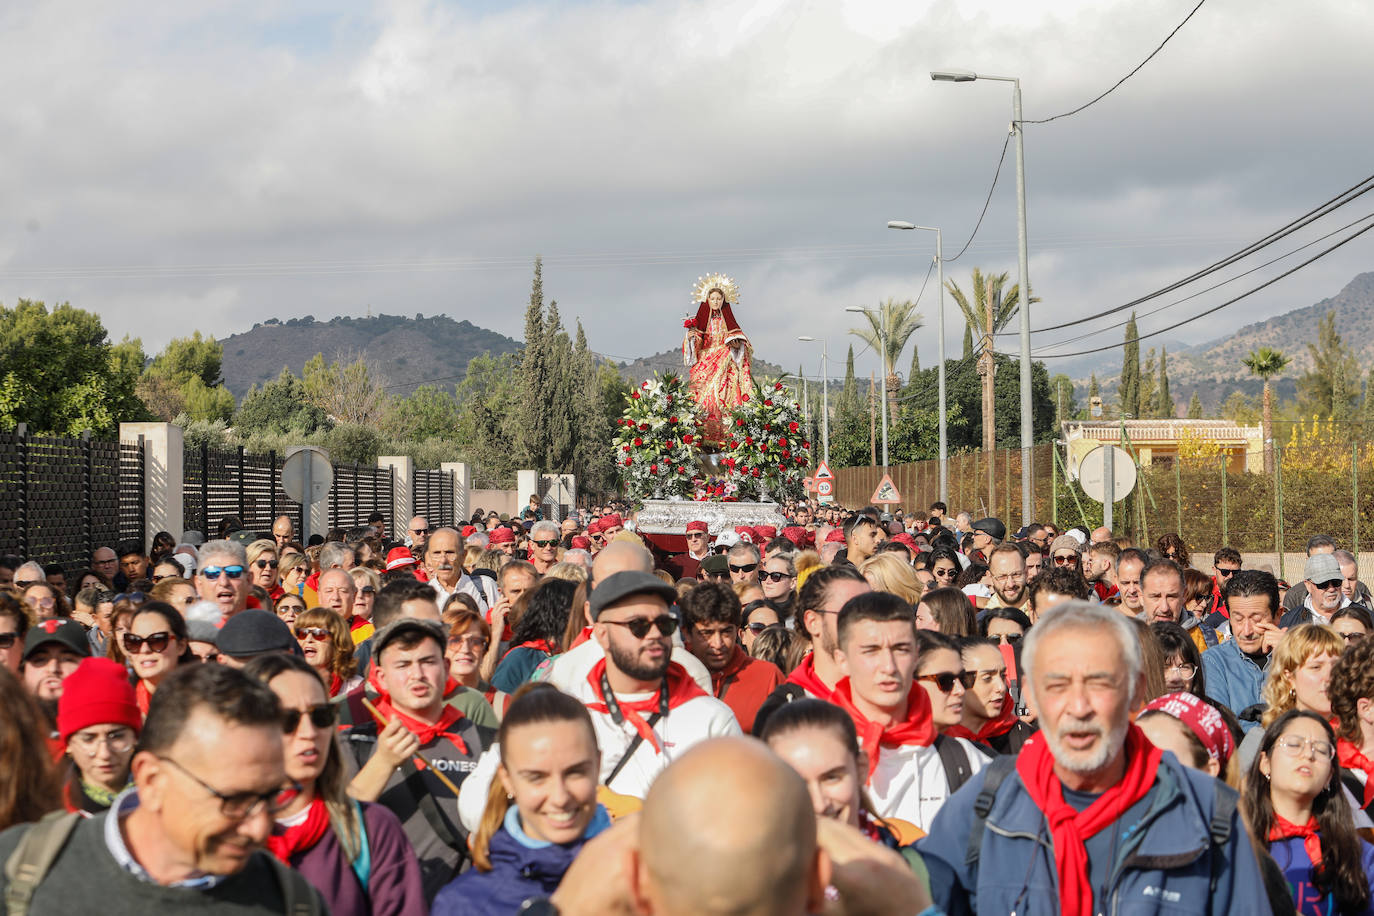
(710,630)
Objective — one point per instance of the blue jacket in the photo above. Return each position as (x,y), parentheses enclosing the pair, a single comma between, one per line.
(521,868)
(1164,862)
(1292,858)
(1233,679)
(516,668)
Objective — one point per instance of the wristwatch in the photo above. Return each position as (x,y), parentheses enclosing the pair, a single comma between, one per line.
(538,906)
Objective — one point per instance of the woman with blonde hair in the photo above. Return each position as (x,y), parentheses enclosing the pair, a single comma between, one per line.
(1299,672)
(886,572)
(264,566)
(328,648)
(293,569)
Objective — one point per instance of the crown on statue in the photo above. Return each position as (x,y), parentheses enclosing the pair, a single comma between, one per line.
(715,281)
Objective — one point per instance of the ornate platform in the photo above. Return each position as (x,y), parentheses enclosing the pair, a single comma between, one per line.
(665,516)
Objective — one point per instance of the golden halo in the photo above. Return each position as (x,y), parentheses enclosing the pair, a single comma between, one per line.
(715,281)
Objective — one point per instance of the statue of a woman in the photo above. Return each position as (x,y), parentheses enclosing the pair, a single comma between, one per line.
(718,354)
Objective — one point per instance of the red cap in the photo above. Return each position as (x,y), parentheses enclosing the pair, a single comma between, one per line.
(746,534)
(399,558)
(796,534)
(501,535)
(1202,720)
(468,531)
(612,521)
(594,526)
(765,533)
(98,692)
(698,526)
(835,537)
(581,543)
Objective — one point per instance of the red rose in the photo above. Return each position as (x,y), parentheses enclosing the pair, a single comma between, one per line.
(627,448)
(670,401)
(768,403)
(638,441)
(635,395)
(672,420)
(681,470)
(793,426)
(782,441)
(645,385)
(627,462)
(653,469)
(768,427)
(739,421)
(807,446)
(786,453)
(689,322)
(756,473)
(687,438)
(801,460)
(668,444)
(734,443)
(746,399)
(777,386)
(644,427)
(748,440)
(783,468)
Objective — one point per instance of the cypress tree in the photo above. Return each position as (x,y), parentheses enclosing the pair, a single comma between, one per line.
(1149,385)
(533,433)
(592,427)
(968,342)
(1164,402)
(1195,408)
(1128,389)
(915,363)
(557,395)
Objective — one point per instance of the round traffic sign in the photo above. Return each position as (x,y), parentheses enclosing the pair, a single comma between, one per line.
(1092,473)
(307,475)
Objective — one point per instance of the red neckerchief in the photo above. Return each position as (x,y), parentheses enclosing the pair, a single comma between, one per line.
(285,842)
(451,716)
(992,728)
(357,622)
(143,696)
(543,645)
(1104,591)
(804,676)
(681,688)
(1352,758)
(1218,601)
(582,637)
(737,663)
(870,827)
(1069,827)
(335,685)
(917,728)
(1311,842)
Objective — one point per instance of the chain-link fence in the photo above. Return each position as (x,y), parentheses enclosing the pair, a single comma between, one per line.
(63,498)
(980,483)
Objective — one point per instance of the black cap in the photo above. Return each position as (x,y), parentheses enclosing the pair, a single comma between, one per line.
(61,630)
(716,564)
(388,633)
(253,632)
(992,527)
(624,584)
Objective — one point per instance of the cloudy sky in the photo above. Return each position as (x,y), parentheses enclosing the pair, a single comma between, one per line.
(207,165)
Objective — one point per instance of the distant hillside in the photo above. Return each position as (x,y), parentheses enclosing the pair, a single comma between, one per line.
(406,351)
(671,361)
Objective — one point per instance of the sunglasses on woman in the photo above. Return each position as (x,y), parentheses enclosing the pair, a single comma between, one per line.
(639,627)
(944,680)
(323,715)
(318,633)
(775,576)
(939,573)
(266,564)
(156,642)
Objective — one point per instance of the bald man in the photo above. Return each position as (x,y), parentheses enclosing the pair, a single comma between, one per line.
(744,820)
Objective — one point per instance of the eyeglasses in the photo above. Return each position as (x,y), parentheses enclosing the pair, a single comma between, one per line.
(775,576)
(1008,639)
(1294,746)
(7,640)
(639,627)
(944,680)
(323,715)
(1065,559)
(119,741)
(946,573)
(756,627)
(213,572)
(156,642)
(318,633)
(1184,671)
(552,543)
(1223,571)
(419,531)
(239,806)
(40,602)
(1010,577)
(746,568)
(205,659)
(1352,637)
(367,590)
(266,564)
(472,642)
(1327,586)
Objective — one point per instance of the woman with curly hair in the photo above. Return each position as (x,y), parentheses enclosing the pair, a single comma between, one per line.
(1171,546)
(1351,692)
(538,633)
(28,784)
(1299,671)
(327,646)
(1292,801)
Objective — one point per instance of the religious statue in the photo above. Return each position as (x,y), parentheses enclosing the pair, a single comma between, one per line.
(718,354)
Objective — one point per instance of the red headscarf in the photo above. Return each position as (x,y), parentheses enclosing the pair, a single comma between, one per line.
(704,316)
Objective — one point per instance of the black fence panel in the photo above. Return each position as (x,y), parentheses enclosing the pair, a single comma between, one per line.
(219,483)
(357,492)
(432,497)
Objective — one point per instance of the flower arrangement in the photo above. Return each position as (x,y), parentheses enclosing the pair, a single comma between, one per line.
(767,453)
(657,440)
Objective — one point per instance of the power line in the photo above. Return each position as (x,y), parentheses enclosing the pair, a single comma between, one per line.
(1128,75)
(995,175)
(1217,308)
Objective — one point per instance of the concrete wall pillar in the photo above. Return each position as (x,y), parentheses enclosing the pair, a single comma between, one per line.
(162,475)
(462,489)
(526,482)
(403,496)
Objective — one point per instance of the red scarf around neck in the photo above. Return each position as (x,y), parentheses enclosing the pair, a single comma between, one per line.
(1352,758)
(992,728)
(142,696)
(285,842)
(543,645)
(804,676)
(1311,841)
(917,728)
(335,685)
(426,733)
(1069,827)
(681,688)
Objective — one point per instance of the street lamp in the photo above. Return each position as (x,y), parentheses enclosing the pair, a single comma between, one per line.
(882,341)
(825,394)
(1027,424)
(944,428)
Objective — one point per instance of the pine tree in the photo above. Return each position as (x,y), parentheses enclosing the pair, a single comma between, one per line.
(1128,389)
(533,430)
(1149,384)
(1330,387)
(557,396)
(849,445)
(1195,408)
(591,455)
(1164,402)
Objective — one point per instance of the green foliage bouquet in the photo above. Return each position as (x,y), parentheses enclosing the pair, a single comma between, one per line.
(768,454)
(657,440)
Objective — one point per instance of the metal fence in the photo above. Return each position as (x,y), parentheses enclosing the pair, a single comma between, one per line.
(219,483)
(432,497)
(63,498)
(358,491)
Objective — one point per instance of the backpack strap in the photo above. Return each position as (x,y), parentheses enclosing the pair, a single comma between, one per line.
(630,751)
(1223,809)
(993,776)
(33,858)
(298,898)
(955,761)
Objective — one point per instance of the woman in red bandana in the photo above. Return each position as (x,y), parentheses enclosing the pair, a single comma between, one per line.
(718,354)
(1293,801)
(355,854)
(1352,706)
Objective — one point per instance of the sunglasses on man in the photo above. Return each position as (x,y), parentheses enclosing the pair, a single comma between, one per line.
(639,627)
(746,568)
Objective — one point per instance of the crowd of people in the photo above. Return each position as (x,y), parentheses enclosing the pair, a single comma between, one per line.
(853,713)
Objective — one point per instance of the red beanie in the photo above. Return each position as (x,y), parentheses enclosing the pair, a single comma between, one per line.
(98,692)
(501,535)
(581,543)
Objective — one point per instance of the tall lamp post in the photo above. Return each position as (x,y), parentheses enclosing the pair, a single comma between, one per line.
(1027,423)
(882,340)
(944,427)
(825,394)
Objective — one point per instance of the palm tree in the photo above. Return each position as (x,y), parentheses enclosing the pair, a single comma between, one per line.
(1266,362)
(892,322)
(990,310)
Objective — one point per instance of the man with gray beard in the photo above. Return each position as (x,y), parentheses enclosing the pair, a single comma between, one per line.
(1125,824)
